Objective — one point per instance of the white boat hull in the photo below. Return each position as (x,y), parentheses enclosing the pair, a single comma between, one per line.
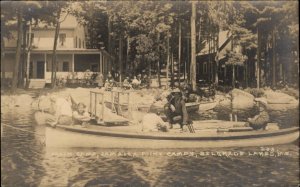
(61,138)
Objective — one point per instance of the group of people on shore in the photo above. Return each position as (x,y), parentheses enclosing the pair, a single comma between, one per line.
(136,82)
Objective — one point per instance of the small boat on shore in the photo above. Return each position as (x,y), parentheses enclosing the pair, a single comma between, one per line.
(190,107)
(210,133)
(205,106)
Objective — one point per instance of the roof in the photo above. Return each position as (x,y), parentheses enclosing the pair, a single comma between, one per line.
(62,51)
(68,22)
(224,36)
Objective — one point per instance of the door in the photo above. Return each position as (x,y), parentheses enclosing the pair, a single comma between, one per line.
(40,69)
(95,67)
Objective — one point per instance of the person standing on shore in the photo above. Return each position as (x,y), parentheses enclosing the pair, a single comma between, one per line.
(99,80)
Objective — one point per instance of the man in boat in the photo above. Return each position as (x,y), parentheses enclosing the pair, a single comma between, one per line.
(81,116)
(175,109)
(62,112)
(152,122)
(260,121)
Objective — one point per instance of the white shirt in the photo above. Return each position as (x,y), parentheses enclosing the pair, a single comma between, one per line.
(63,107)
(150,122)
(135,81)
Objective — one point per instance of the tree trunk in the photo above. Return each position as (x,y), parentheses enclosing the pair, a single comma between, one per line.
(2,58)
(233,76)
(110,40)
(158,64)
(258,59)
(18,50)
(54,63)
(28,56)
(168,60)
(217,61)
(127,54)
(23,60)
(172,70)
(179,52)
(273,59)
(149,68)
(246,73)
(193,46)
(187,73)
(120,58)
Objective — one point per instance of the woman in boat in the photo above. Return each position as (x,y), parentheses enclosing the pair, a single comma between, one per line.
(175,109)
(260,121)
(80,115)
(62,112)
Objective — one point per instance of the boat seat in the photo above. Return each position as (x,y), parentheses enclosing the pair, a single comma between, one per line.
(236,129)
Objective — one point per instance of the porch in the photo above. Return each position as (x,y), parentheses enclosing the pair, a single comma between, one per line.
(71,64)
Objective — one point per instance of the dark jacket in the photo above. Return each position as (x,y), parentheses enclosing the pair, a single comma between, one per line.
(259,121)
(178,102)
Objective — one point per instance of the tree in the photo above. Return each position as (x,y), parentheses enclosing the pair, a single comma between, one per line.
(52,15)
(234,59)
(193,46)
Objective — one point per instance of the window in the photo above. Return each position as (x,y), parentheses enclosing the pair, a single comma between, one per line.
(65,67)
(79,42)
(62,39)
(205,67)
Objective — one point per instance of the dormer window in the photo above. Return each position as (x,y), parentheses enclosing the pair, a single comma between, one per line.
(62,39)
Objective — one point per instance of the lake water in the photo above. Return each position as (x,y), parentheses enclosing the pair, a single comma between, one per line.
(26,162)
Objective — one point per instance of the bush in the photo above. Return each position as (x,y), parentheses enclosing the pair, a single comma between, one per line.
(255,92)
(224,89)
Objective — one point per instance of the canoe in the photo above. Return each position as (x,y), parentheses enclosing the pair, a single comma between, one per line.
(133,137)
(190,107)
(207,105)
(124,107)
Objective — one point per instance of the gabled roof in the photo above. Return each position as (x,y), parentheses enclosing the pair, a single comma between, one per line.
(68,22)
(224,38)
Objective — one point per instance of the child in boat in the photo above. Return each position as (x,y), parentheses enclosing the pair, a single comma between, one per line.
(260,121)
(175,109)
(80,115)
(152,122)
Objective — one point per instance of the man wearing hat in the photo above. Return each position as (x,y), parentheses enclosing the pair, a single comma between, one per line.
(175,109)
(260,121)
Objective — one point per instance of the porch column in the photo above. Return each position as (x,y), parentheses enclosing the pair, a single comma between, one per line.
(100,63)
(45,65)
(72,63)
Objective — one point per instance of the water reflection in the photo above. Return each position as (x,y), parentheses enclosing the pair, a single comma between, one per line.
(25,162)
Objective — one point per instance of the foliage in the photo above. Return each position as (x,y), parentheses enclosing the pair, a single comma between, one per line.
(235,58)
(255,92)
